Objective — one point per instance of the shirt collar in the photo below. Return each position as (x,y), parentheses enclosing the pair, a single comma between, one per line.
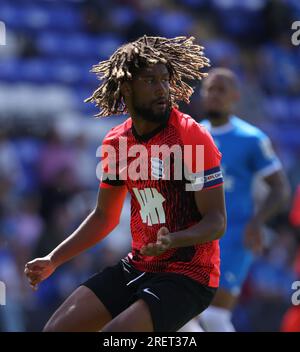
(222,129)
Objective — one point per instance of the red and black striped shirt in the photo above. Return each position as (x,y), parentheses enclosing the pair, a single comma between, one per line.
(159,197)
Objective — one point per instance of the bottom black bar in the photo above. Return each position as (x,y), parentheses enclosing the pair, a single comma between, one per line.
(141,341)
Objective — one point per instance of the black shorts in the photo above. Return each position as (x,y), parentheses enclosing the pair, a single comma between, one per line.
(173,299)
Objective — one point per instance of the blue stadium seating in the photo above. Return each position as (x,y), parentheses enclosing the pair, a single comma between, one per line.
(171,24)
(66,51)
(77,45)
(9,70)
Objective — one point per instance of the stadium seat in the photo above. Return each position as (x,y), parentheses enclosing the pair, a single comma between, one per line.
(220,51)
(77,45)
(11,16)
(62,45)
(277,107)
(239,22)
(123,16)
(29,99)
(9,70)
(195,4)
(172,23)
(294,104)
(35,70)
(35,16)
(102,46)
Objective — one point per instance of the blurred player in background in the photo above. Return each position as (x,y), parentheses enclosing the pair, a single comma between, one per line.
(247,153)
(175,232)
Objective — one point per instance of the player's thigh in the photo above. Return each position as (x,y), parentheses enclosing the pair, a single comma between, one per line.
(173,300)
(136,318)
(81,311)
(101,298)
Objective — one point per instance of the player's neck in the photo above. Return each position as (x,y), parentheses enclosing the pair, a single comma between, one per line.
(143,127)
(220,121)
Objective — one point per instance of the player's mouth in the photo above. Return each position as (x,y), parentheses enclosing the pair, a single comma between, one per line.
(161,103)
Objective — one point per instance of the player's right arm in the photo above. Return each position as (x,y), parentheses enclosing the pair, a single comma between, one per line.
(99,223)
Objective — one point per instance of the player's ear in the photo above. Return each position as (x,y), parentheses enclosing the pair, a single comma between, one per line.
(236,95)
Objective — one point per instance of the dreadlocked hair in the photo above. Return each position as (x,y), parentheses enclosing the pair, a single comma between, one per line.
(183,58)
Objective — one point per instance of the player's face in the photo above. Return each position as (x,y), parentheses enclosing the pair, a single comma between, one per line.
(150,91)
(218,96)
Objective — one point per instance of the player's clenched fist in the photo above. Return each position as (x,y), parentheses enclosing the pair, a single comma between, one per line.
(38,270)
(163,243)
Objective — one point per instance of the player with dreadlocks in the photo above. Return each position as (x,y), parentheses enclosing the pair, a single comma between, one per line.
(182,58)
(172,271)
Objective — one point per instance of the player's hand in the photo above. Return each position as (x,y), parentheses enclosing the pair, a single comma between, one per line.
(163,243)
(38,270)
(254,235)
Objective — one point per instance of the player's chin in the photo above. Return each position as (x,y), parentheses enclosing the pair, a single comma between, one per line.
(160,113)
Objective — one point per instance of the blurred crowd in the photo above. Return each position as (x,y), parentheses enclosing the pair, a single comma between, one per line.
(49,138)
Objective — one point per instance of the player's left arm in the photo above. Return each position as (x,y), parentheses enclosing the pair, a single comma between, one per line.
(211,205)
(212,226)
(265,163)
(276,200)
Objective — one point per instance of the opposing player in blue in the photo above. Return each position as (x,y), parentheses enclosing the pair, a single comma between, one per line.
(247,153)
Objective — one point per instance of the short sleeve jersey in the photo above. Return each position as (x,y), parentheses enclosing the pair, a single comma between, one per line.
(162,170)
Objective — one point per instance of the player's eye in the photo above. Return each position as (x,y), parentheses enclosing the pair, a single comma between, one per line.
(149,80)
(153,80)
